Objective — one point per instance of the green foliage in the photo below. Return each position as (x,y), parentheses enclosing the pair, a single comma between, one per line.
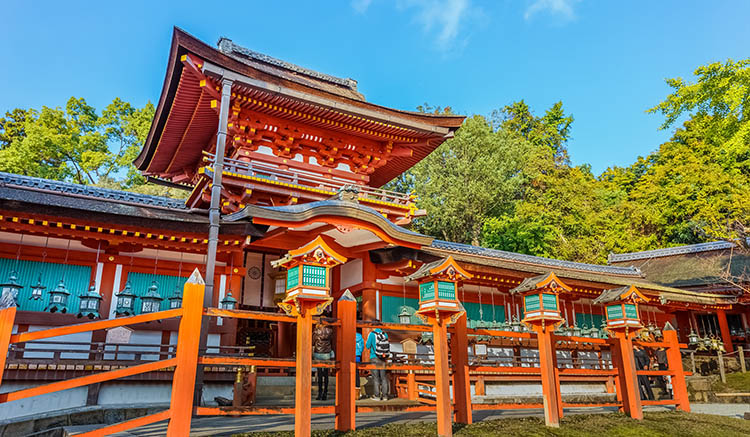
(77,144)
(466,180)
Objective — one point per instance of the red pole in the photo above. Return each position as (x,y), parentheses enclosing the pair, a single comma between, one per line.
(303,384)
(188,342)
(547,368)
(461,382)
(726,336)
(442,377)
(674,359)
(627,376)
(346,312)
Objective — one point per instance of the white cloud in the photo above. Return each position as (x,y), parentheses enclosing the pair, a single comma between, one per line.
(561,8)
(442,19)
(361,5)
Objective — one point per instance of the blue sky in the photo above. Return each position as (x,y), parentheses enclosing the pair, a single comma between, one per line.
(606,60)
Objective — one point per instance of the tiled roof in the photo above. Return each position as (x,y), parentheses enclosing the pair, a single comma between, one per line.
(67,188)
(536,260)
(669,251)
(228,47)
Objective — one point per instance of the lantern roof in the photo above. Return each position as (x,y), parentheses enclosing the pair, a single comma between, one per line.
(442,267)
(628,292)
(316,251)
(92,293)
(549,281)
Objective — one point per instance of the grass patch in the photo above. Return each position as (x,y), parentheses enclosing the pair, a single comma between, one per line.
(601,425)
(736,382)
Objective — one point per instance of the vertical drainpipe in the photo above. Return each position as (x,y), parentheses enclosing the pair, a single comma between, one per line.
(213,225)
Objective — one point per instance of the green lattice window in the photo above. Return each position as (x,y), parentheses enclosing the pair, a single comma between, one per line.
(292,277)
(532,303)
(549,302)
(313,276)
(446,290)
(614,312)
(630,311)
(427,291)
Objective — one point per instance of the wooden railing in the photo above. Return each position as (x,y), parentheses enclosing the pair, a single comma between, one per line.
(309,179)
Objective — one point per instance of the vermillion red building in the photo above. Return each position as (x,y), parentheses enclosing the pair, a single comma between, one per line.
(302,157)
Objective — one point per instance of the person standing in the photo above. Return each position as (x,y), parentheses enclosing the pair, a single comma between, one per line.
(322,350)
(380,351)
(642,362)
(359,348)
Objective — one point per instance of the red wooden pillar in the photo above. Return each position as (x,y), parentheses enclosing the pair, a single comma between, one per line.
(627,377)
(188,342)
(411,386)
(7,317)
(461,382)
(550,389)
(726,336)
(107,286)
(346,312)
(674,360)
(442,376)
(303,381)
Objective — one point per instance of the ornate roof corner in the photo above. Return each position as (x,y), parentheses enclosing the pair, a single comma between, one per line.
(446,266)
(548,281)
(621,293)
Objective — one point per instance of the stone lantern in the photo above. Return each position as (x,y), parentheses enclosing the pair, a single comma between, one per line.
(540,300)
(621,305)
(58,298)
(89,303)
(125,301)
(438,282)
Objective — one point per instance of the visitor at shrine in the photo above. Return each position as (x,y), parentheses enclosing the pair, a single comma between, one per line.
(642,362)
(322,350)
(359,348)
(380,351)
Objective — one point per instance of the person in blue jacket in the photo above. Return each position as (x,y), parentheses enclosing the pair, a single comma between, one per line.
(380,351)
(359,348)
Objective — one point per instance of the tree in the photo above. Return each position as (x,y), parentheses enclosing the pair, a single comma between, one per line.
(720,101)
(471,177)
(12,126)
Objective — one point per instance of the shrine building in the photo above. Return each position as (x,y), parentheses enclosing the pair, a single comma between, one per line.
(302,159)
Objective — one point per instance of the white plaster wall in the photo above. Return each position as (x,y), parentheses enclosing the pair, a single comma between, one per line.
(75,397)
(120,392)
(351,273)
(81,337)
(210,391)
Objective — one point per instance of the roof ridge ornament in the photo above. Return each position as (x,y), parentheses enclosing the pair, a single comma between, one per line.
(348,193)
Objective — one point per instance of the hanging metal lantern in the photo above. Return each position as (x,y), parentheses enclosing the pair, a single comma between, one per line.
(151,301)
(404,317)
(11,287)
(58,299)
(593,332)
(229,302)
(657,332)
(175,300)
(693,338)
(575,331)
(37,290)
(89,303)
(603,333)
(125,301)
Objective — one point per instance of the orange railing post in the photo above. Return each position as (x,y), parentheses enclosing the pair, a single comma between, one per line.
(345,399)
(548,370)
(461,383)
(442,379)
(303,381)
(627,377)
(188,341)
(674,360)
(7,317)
